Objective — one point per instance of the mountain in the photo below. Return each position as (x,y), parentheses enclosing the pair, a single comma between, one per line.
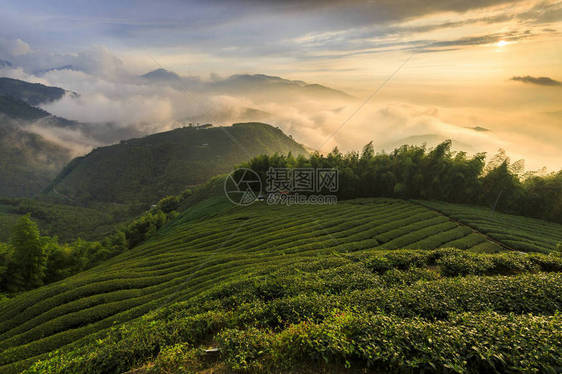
(64,67)
(5,64)
(302,289)
(32,93)
(248,84)
(266,84)
(160,75)
(147,169)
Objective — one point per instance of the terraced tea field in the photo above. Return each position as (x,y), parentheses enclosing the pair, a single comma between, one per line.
(515,232)
(198,276)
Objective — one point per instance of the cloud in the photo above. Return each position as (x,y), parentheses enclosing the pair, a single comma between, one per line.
(123,109)
(543,12)
(357,12)
(541,81)
(114,110)
(447,45)
(117,104)
(247,28)
(10,48)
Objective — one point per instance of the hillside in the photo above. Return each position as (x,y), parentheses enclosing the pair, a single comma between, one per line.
(66,221)
(31,93)
(20,110)
(146,169)
(28,162)
(276,288)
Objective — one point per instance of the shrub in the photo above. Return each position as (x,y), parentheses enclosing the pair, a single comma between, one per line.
(464,264)
(178,358)
(242,349)
(468,343)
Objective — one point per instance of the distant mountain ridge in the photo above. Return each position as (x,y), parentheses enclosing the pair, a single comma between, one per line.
(161,74)
(254,82)
(31,93)
(244,83)
(64,67)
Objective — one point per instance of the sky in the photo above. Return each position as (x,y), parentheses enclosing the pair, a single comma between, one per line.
(416,68)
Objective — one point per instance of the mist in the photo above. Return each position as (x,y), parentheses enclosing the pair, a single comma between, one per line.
(110,103)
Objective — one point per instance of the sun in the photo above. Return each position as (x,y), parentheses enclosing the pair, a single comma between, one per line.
(501,43)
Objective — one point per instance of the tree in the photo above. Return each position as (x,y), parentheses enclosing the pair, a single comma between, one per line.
(30,258)
(61,261)
(6,254)
(501,189)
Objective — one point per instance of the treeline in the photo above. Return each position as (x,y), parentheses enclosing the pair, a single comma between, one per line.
(414,172)
(30,260)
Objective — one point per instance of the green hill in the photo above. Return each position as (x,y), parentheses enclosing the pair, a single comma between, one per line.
(144,170)
(31,93)
(299,289)
(113,184)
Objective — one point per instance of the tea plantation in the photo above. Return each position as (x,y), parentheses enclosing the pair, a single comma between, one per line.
(514,232)
(366,283)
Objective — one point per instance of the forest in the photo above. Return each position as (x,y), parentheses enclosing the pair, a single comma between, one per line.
(29,260)
(415,172)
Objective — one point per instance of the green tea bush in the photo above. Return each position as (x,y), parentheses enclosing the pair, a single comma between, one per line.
(266,270)
(468,343)
(405,240)
(242,349)
(464,264)
(468,241)
(178,358)
(396,278)
(437,240)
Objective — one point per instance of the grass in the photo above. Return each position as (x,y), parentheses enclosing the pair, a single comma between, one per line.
(221,275)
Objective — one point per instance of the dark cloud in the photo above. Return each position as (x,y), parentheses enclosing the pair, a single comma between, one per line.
(369,12)
(543,12)
(541,81)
